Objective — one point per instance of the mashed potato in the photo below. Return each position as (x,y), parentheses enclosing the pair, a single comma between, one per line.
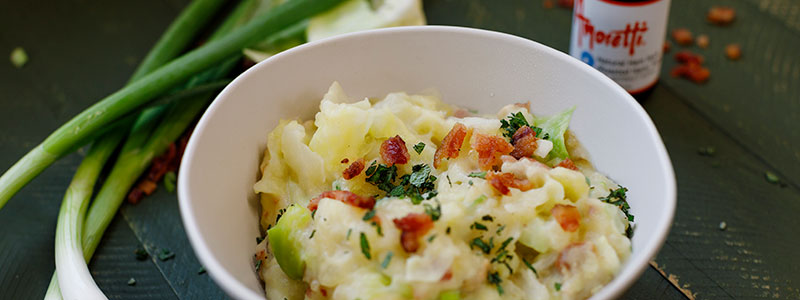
(409,198)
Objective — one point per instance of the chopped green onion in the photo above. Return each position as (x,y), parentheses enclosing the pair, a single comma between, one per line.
(386,260)
(478,174)
(419,147)
(18,57)
(365,246)
(169,181)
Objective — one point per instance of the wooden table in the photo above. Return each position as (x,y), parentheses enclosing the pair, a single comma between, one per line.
(81,51)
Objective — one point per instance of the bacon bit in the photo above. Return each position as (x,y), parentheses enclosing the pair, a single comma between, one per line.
(526,105)
(261,255)
(490,148)
(721,15)
(323,292)
(413,226)
(344,161)
(354,169)
(524,141)
(733,51)
(393,151)
(567,163)
(667,46)
(562,262)
(687,57)
(344,196)
(461,113)
(168,161)
(566,3)
(567,216)
(451,145)
(690,67)
(702,41)
(682,36)
(692,71)
(503,181)
(447,275)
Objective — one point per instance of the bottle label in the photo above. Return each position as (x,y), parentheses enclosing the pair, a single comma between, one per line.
(624,40)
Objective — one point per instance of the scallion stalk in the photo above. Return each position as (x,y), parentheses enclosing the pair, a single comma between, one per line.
(75,132)
(70,260)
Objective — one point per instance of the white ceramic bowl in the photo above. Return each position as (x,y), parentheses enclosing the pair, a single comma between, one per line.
(474,68)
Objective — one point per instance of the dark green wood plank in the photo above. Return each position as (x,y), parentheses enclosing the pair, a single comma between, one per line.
(156,221)
(756,100)
(115,263)
(652,285)
(753,257)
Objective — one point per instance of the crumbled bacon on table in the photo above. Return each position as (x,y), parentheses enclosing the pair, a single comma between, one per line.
(168,161)
(490,148)
(344,196)
(682,36)
(691,67)
(394,151)
(721,15)
(353,170)
(567,216)
(413,227)
(733,51)
(451,144)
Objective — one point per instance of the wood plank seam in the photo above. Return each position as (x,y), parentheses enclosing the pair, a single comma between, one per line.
(151,255)
(687,259)
(674,282)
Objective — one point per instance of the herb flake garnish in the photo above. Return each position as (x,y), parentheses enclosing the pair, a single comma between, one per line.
(258,265)
(514,121)
(494,278)
(417,186)
(557,285)
(419,147)
(434,212)
(478,242)
(201,270)
(141,254)
(349,231)
(430,239)
(165,254)
(312,234)
(530,266)
(478,226)
(365,246)
(478,174)
(500,229)
(132,281)
(369,215)
(488,218)
(386,260)
(618,198)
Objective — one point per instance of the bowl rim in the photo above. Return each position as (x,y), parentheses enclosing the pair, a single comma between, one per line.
(236,289)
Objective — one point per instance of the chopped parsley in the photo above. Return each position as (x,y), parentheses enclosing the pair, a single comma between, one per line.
(434,212)
(619,199)
(417,186)
(386,260)
(165,254)
(377,228)
(494,278)
(488,218)
(499,229)
(478,242)
(448,181)
(419,147)
(430,239)
(349,231)
(478,174)
(201,270)
(530,266)
(365,246)
(514,121)
(312,234)
(557,285)
(132,281)
(505,244)
(141,254)
(478,226)
(448,230)
(369,215)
